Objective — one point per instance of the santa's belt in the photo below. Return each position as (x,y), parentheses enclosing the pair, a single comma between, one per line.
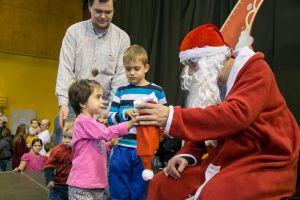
(129,137)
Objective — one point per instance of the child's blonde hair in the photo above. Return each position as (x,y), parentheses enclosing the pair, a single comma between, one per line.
(135,53)
(68,125)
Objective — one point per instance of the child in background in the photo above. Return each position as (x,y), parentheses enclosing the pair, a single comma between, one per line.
(33,161)
(125,170)
(88,175)
(19,144)
(58,165)
(48,148)
(33,131)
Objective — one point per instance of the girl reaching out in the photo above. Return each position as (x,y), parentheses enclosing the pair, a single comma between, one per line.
(88,175)
(33,161)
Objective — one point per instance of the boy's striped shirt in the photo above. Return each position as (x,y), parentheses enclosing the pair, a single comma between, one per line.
(123,100)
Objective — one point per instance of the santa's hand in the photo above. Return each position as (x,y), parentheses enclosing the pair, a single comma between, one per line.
(153,114)
(175,167)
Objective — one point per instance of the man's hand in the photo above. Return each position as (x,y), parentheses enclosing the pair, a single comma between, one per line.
(63,114)
(175,167)
(153,114)
(51,184)
(132,112)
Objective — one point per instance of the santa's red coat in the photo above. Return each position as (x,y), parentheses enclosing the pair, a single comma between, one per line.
(258,143)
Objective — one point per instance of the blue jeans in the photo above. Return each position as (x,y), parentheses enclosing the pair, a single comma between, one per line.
(59,192)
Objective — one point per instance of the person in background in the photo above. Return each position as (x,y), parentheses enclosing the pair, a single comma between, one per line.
(44,134)
(59,163)
(92,45)
(34,130)
(3,117)
(88,175)
(5,148)
(19,144)
(33,161)
(2,125)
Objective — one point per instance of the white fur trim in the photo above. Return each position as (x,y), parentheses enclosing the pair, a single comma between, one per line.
(242,56)
(189,156)
(206,51)
(210,172)
(213,143)
(147,174)
(169,120)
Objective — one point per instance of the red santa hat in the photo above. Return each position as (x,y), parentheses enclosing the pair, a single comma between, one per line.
(204,41)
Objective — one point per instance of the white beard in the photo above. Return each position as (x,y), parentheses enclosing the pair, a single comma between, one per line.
(202,85)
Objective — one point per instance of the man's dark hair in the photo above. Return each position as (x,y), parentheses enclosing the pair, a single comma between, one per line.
(80,91)
(91,2)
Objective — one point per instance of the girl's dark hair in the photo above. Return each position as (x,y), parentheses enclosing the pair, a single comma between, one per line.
(19,133)
(80,91)
(36,140)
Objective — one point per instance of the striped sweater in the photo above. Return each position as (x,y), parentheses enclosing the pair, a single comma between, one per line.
(123,100)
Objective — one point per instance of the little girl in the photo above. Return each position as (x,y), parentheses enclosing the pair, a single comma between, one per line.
(33,161)
(88,175)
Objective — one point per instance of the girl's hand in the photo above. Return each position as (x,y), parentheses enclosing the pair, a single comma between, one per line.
(16,169)
(132,112)
(133,122)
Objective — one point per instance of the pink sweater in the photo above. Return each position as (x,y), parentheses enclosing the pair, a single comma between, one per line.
(89,162)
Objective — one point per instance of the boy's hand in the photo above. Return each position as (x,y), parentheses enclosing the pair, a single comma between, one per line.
(132,112)
(50,185)
(113,142)
(103,118)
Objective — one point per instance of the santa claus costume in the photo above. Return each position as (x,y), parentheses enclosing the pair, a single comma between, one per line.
(253,138)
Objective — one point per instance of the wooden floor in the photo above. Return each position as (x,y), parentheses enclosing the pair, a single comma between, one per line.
(23,186)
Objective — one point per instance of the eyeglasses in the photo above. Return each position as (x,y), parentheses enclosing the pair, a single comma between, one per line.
(190,61)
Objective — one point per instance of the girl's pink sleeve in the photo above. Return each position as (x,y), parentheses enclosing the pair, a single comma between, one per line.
(25,157)
(93,129)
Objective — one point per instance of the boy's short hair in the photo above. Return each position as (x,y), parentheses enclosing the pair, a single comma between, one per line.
(80,91)
(68,125)
(134,53)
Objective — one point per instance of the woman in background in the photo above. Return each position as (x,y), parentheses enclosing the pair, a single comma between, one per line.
(19,144)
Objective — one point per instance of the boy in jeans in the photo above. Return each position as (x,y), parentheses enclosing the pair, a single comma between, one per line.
(125,170)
